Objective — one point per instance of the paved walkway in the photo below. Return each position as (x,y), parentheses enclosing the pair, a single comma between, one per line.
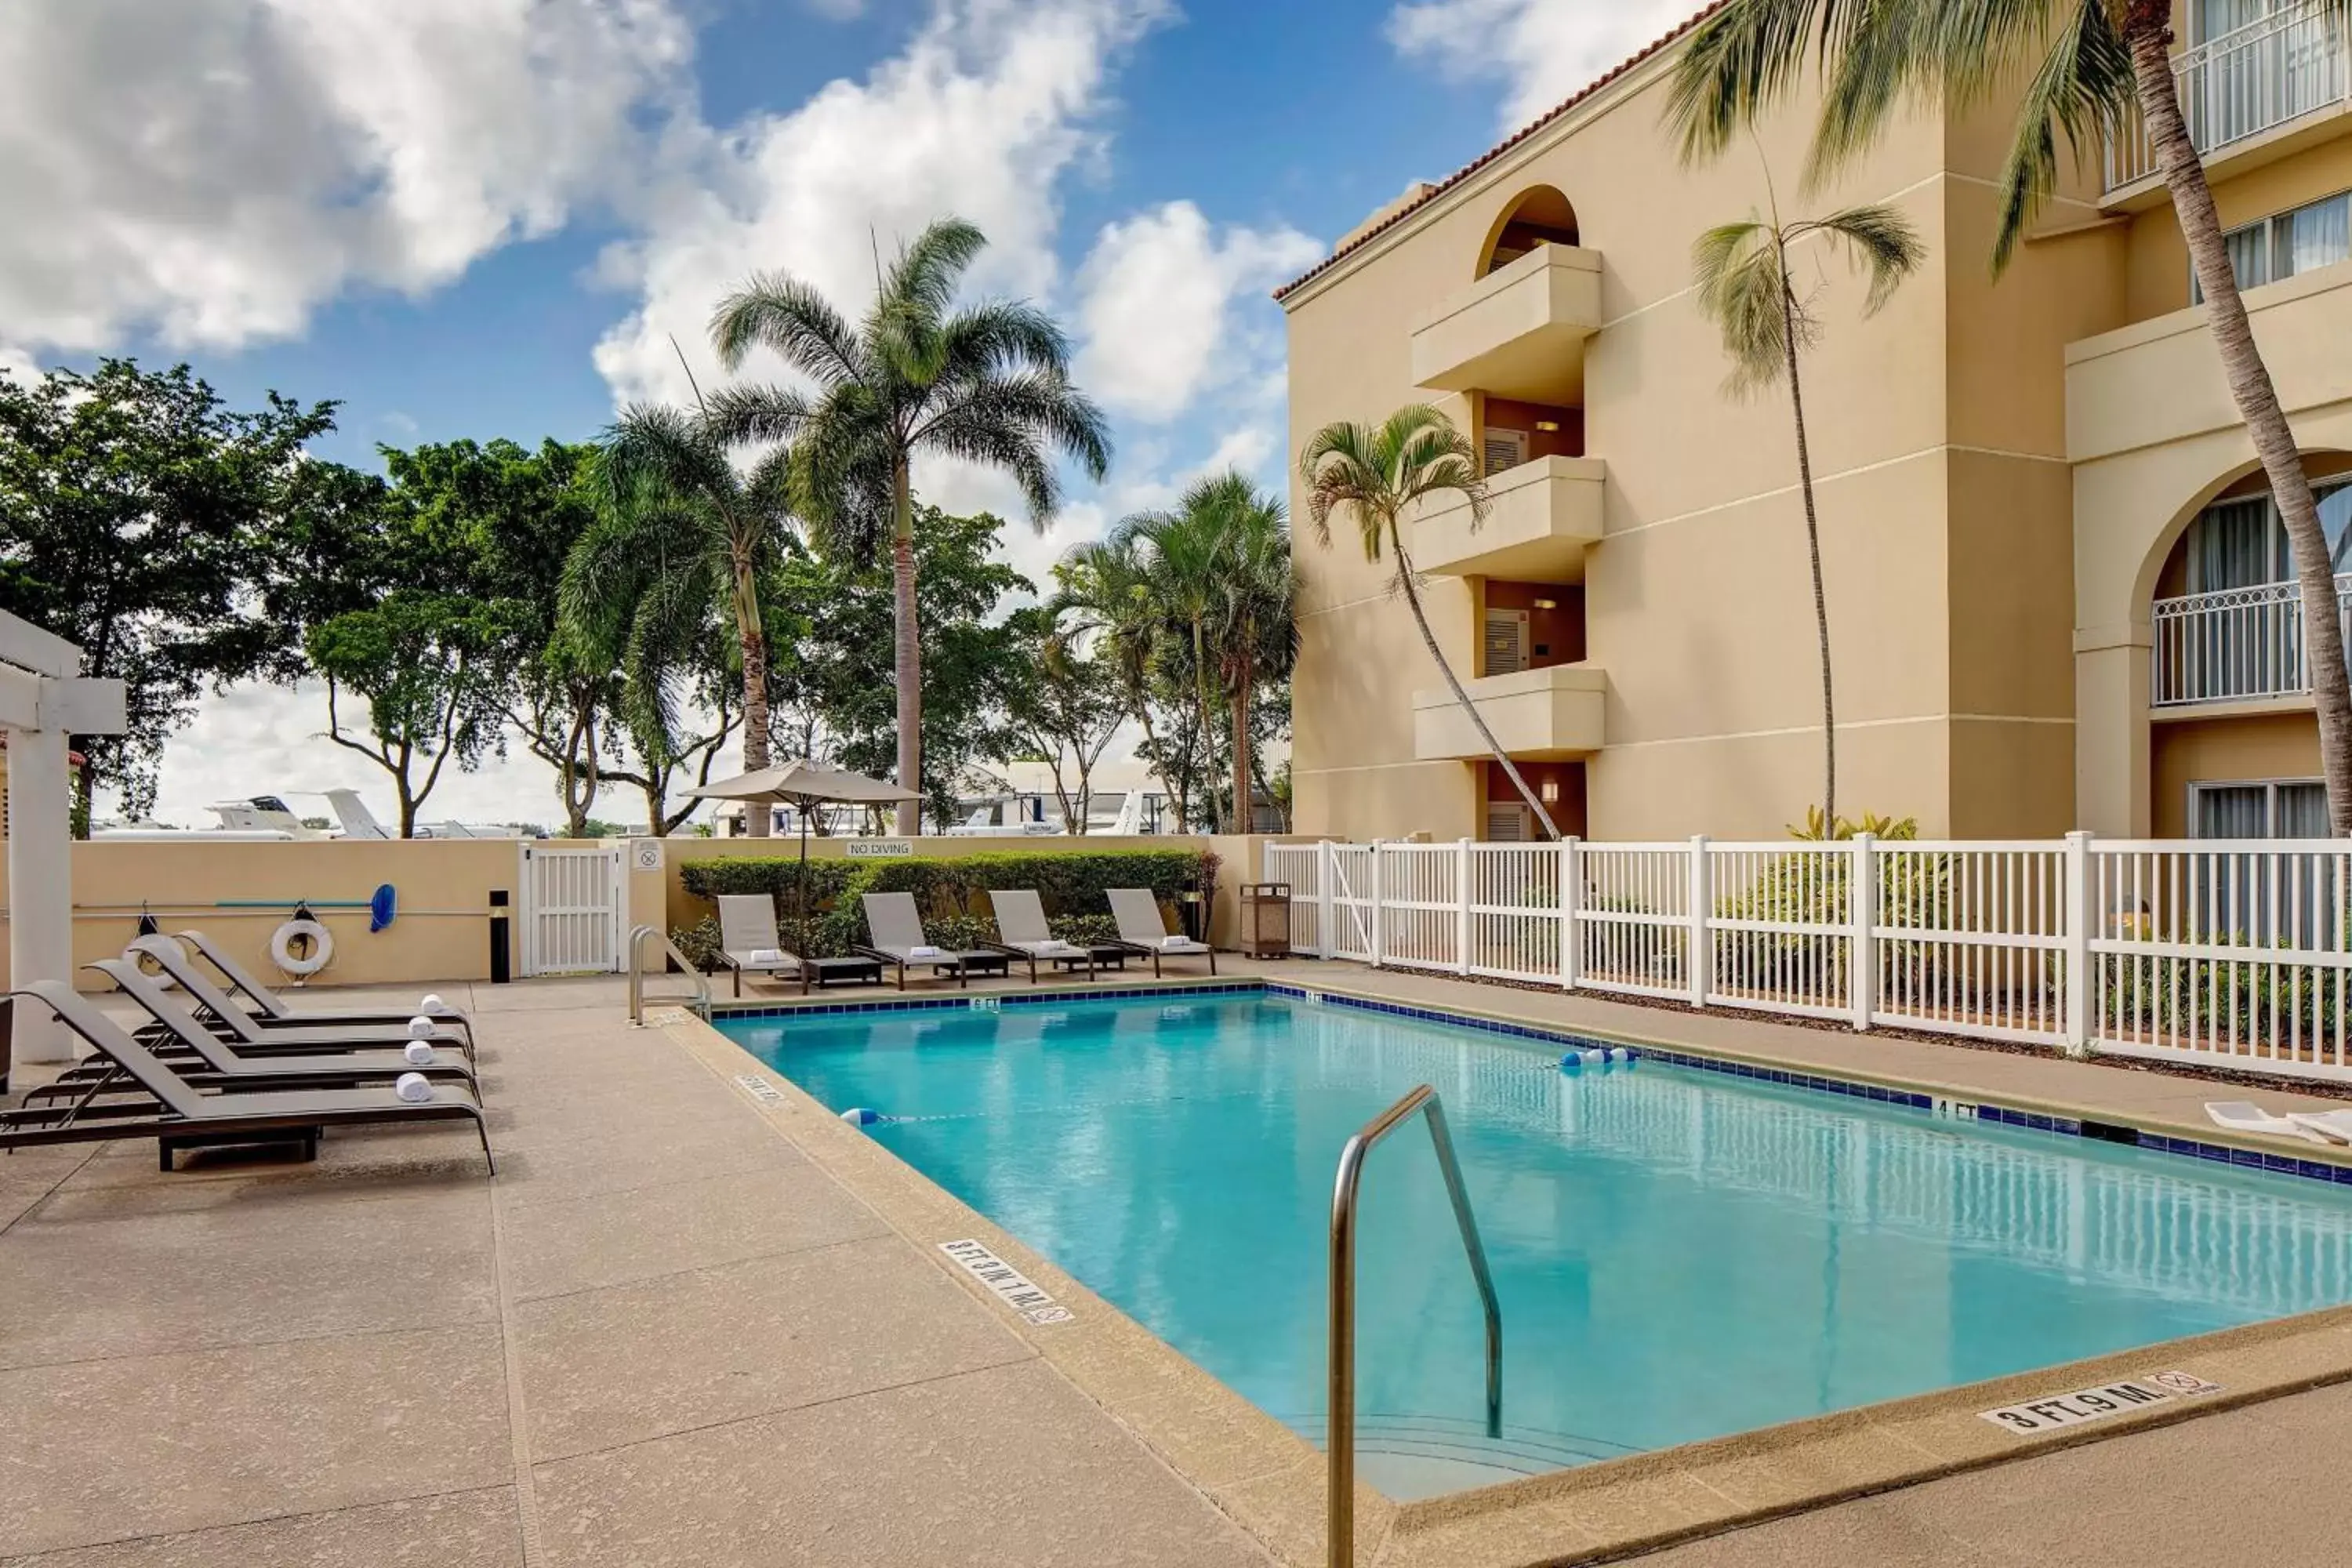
(664,1336)
(660,1337)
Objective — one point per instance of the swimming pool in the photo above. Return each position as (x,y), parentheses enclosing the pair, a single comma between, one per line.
(1679,1253)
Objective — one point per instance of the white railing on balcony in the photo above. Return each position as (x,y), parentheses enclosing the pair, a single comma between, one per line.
(2233,644)
(2286,65)
(2231,953)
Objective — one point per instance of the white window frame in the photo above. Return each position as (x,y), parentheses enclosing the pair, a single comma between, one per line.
(2277,225)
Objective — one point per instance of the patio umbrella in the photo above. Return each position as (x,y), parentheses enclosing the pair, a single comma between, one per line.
(805,784)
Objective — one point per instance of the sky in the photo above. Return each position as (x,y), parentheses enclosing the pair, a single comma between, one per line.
(491,218)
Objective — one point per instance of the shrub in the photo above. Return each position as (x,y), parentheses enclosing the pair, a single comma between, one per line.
(1073,886)
(699,943)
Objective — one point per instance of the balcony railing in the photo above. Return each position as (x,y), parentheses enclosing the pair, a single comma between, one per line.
(2287,65)
(2234,646)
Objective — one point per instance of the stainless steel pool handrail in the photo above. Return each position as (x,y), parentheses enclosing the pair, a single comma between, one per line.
(1340,1444)
(637,972)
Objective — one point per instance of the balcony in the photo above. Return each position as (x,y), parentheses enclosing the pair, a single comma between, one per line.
(1542,517)
(2240,92)
(1517,332)
(1553,714)
(2239,645)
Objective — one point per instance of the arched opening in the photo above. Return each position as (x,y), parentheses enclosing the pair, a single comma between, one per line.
(1540,217)
(2232,747)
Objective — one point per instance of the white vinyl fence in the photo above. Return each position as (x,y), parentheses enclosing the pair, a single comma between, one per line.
(2229,952)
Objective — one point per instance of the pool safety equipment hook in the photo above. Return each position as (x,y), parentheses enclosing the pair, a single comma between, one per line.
(1340,1445)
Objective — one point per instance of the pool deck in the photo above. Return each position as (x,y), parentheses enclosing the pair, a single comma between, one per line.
(688,1324)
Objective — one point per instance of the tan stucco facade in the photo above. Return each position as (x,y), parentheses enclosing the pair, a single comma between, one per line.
(2000,466)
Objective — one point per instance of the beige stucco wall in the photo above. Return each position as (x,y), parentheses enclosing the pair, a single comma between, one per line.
(1938,442)
(442,888)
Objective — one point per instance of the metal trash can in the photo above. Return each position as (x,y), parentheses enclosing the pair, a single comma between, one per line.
(1265,920)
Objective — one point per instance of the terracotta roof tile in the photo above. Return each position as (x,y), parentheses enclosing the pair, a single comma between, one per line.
(1489,156)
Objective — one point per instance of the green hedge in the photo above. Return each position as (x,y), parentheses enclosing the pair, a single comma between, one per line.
(1071,884)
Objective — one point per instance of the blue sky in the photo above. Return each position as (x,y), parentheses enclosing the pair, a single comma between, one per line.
(487,217)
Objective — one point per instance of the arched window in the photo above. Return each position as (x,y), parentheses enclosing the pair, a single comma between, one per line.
(1541,216)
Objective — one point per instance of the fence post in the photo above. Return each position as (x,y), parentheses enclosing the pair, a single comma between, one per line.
(1462,907)
(1324,939)
(2079,980)
(1699,960)
(1862,923)
(1571,891)
(1378,923)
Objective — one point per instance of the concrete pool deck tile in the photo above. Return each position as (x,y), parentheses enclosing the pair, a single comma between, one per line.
(1509,1539)
(614,1238)
(951,1471)
(1286,1510)
(456,1529)
(581,1169)
(142,1445)
(83,1280)
(1204,1429)
(605,1368)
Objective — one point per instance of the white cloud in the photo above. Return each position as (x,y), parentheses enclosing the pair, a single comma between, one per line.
(1542,50)
(1157,298)
(987,108)
(215,170)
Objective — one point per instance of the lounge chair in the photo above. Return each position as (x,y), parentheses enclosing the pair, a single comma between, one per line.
(747,936)
(271,1009)
(2326,1126)
(897,928)
(1141,930)
(2245,1116)
(252,1032)
(179,1115)
(1023,933)
(205,1061)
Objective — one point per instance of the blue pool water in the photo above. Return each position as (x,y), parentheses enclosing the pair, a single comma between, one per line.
(1679,1254)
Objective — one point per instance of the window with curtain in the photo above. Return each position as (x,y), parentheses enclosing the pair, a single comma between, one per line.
(2241,544)
(2303,239)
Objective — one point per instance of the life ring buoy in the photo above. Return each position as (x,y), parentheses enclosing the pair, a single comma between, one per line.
(310,935)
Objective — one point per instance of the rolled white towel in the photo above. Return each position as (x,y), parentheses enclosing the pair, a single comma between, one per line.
(419,1054)
(421,1027)
(1173,943)
(432,1004)
(1053,946)
(412,1088)
(925,949)
(769,958)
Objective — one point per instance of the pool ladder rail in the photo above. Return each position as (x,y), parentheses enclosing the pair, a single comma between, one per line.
(1340,1530)
(671,954)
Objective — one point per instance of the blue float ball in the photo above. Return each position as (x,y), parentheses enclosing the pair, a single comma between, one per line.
(861,1116)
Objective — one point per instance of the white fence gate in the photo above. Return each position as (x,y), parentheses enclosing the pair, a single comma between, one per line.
(573,911)
(2233,952)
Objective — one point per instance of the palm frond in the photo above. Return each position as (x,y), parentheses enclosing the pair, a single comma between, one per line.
(780,313)
(2084,87)
(1878,240)
(1742,288)
(930,266)
(1737,63)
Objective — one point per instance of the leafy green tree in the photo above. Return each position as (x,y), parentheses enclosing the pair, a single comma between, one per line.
(506,518)
(679,534)
(1745,290)
(986,384)
(2095,71)
(1061,708)
(1374,474)
(1104,601)
(427,664)
(136,511)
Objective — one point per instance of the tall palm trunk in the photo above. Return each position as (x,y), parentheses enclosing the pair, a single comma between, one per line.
(752,635)
(1201,706)
(1245,819)
(1429,640)
(907,666)
(2148,26)
(1813,539)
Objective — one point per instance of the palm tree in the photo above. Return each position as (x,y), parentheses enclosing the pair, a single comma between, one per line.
(1744,286)
(1184,553)
(1106,592)
(2101,71)
(1376,472)
(988,384)
(679,529)
(1255,633)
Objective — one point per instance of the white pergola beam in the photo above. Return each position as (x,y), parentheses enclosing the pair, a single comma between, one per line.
(29,648)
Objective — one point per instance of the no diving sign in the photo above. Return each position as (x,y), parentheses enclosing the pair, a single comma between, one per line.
(1016,1289)
(2097,1404)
